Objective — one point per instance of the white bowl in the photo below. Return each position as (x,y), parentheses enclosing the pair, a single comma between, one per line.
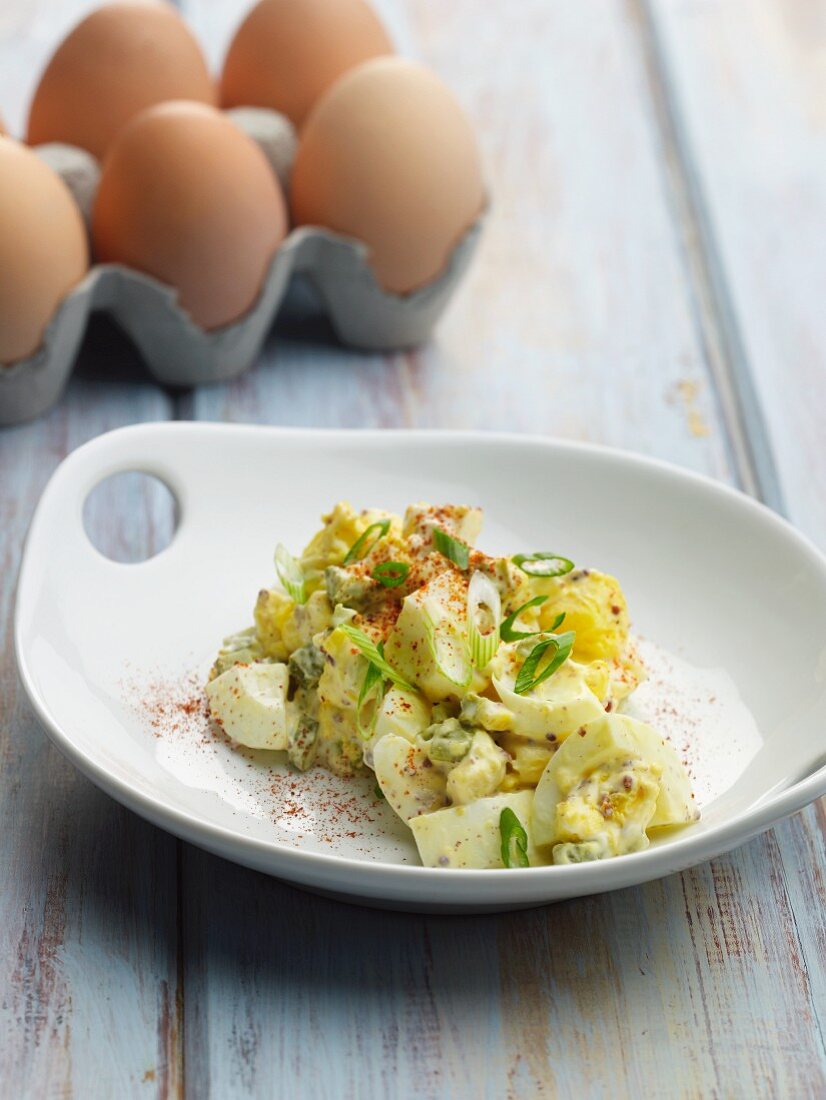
(710,575)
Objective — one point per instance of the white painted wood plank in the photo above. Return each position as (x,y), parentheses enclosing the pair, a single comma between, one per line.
(750,82)
(750,87)
(689,986)
(88,904)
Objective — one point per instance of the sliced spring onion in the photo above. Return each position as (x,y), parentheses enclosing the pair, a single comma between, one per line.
(457,552)
(378,792)
(374,655)
(506,629)
(290,574)
(370,697)
(507,632)
(366,541)
(514,840)
(391,573)
(543,564)
(484,608)
(529,675)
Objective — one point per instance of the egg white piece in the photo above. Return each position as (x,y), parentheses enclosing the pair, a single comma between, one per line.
(249,703)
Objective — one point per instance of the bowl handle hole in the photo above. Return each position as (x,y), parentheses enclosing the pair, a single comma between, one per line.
(130,517)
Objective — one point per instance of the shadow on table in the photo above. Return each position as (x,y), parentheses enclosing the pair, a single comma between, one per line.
(278,946)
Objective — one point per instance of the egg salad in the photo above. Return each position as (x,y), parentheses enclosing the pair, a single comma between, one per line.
(483,693)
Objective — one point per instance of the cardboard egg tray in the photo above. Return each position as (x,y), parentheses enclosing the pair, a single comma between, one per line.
(179,353)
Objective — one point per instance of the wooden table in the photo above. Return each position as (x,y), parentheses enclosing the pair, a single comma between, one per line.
(653,277)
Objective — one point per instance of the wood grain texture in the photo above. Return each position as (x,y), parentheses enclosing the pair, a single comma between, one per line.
(590,313)
(88,904)
(749,82)
(689,987)
(749,88)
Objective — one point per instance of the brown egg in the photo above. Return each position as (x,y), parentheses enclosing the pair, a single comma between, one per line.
(43,250)
(388,156)
(187,197)
(286,53)
(119,60)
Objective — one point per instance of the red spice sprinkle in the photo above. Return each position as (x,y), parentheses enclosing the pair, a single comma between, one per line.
(335,810)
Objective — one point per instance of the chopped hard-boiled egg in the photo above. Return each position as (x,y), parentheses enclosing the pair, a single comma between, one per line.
(471,835)
(555,708)
(249,703)
(407,777)
(428,643)
(479,773)
(403,713)
(606,787)
(482,691)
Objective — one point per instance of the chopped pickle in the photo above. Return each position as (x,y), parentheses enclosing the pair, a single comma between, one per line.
(302,737)
(306,665)
(447,742)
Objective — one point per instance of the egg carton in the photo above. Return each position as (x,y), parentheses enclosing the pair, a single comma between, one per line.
(179,353)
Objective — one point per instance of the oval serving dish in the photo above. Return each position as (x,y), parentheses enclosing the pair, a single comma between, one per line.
(113,656)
